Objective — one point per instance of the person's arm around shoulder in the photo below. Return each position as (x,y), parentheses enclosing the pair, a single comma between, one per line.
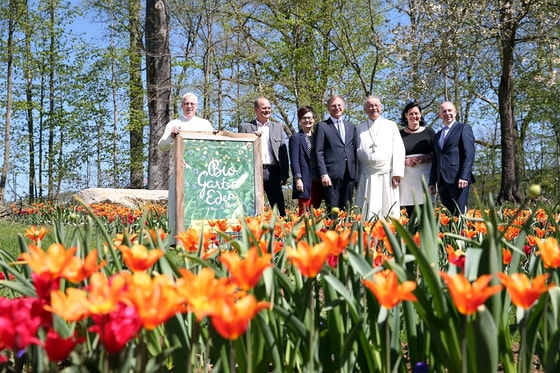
(167,139)
(398,156)
(249,127)
(284,162)
(294,149)
(206,126)
(319,150)
(434,169)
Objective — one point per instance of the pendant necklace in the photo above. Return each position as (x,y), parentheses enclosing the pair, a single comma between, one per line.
(373,145)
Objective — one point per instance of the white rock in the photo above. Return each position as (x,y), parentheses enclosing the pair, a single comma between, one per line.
(124,197)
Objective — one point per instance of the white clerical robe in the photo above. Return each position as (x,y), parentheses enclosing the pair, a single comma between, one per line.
(381,153)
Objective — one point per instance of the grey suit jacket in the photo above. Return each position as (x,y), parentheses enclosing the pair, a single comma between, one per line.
(279,148)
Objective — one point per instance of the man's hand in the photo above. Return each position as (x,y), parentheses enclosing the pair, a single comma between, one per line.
(462,184)
(326,181)
(283,181)
(432,189)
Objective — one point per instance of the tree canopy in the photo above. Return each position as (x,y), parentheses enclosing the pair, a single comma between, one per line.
(82,108)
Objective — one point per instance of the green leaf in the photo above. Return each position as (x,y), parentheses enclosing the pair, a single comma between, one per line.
(483,343)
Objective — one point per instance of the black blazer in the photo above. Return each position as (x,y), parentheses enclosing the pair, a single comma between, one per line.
(331,154)
(455,160)
(300,162)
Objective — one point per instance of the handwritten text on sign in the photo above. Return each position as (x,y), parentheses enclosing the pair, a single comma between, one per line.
(219,179)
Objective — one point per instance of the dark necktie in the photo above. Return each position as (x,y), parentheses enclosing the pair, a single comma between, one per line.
(442,136)
(340,126)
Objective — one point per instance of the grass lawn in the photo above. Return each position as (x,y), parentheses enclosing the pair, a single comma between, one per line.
(9,231)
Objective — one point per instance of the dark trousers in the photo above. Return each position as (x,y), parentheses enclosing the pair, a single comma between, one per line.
(340,193)
(272,184)
(454,199)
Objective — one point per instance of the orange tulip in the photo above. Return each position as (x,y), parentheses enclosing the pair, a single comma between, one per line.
(532,240)
(219,224)
(512,232)
(105,294)
(466,296)
(540,232)
(72,306)
(155,233)
(444,219)
(308,259)
(506,256)
(155,299)
(35,234)
(385,286)
(417,239)
(120,238)
(469,233)
(480,227)
(255,226)
(231,320)
(337,242)
(248,271)
(522,291)
(77,270)
(48,265)
(456,257)
(138,258)
(204,291)
(189,239)
(550,252)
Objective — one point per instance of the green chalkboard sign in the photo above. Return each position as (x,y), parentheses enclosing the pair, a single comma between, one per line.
(219,176)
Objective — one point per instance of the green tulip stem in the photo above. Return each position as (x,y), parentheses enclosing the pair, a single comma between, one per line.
(194,343)
(249,349)
(523,348)
(464,345)
(311,327)
(387,346)
(231,357)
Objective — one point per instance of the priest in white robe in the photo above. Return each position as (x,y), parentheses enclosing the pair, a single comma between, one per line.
(381,154)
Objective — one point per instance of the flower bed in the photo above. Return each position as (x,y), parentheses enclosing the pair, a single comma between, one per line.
(287,294)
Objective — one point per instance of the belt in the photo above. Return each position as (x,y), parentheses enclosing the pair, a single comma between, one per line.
(269,165)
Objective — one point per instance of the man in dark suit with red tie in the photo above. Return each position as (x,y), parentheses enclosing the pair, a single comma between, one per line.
(335,156)
(453,159)
(275,159)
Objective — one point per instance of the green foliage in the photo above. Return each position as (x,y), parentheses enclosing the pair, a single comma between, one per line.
(332,322)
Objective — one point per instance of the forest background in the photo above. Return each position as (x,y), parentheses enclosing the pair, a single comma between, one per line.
(87,87)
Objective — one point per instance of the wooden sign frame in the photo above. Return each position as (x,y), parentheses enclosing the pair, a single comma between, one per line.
(220,173)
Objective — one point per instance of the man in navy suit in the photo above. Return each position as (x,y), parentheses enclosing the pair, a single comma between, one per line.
(275,161)
(453,159)
(335,155)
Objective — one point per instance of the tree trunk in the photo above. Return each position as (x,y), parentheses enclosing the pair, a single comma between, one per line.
(136,94)
(158,77)
(509,188)
(51,114)
(29,99)
(9,78)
